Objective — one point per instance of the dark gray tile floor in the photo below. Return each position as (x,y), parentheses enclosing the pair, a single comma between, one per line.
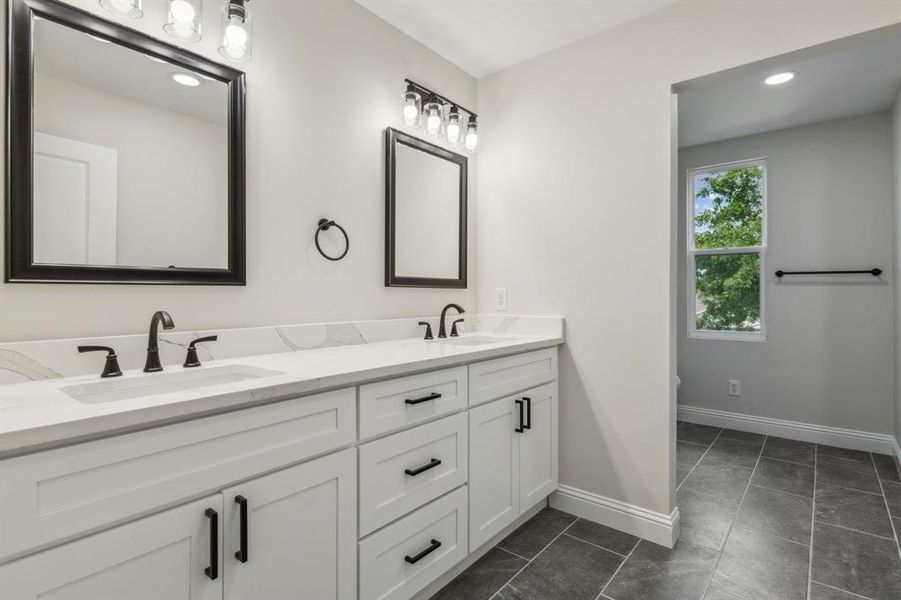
(761,518)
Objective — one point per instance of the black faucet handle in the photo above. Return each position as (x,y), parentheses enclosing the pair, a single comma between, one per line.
(111,367)
(454,332)
(191,359)
(428,330)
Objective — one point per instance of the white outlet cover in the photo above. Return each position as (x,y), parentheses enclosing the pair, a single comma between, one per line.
(500,298)
(734,389)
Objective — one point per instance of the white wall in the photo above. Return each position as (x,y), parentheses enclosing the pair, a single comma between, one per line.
(896,155)
(326,79)
(576,214)
(172,185)
(827,359)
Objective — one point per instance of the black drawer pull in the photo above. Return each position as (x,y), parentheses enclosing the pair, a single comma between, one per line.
(432,396)
(528,402)
(415,559)
(242,553)
(519,428)
(430,465)
(212,571)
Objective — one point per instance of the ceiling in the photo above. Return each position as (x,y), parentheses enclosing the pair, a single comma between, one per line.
(859,78)
(74,56)
(484,36)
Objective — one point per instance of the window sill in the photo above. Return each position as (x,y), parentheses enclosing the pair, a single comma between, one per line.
(734,336)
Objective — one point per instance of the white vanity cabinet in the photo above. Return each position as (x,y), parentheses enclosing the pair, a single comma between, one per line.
(515,440)
(368,492)
(166,556)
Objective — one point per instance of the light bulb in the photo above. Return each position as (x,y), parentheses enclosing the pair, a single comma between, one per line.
(236,31)
(452,126)
(471,141)
(410,114)
(453,133)
(235,34)
(182,11)
(124,8)
(433,124)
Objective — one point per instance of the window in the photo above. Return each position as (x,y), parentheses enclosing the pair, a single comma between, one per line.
(726,250)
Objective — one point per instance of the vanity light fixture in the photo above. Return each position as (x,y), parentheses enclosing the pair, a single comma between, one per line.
(780,78)
(132,9)
(432,112)
(185,79)
(440,116)
(453,126)
(236,31)
(412,106)
(471,142)
(183,20)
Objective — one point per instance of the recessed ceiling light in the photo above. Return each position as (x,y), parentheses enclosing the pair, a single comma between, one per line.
(185,79)
(780,78)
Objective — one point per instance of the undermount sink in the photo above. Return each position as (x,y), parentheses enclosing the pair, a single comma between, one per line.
(473,340)
(152,384)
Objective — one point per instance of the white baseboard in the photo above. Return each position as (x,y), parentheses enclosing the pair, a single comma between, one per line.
(659,528)
(806,432)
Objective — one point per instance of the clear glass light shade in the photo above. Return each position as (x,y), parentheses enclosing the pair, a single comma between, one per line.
(237,32)
(132,9)
(471,140)
(411,109)
(184,20)
(432,114)
(453,127)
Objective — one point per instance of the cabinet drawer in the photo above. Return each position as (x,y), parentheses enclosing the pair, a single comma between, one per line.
(385,571)
(397,403)
(504,376)
(56,495)
(402,472)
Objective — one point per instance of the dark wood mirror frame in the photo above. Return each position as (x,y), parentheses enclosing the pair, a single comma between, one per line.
(392,279)
(20,266)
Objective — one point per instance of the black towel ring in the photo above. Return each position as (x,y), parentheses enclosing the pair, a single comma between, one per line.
(324,225)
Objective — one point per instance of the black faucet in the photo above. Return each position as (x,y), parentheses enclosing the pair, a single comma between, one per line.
(152,364)
(442,331)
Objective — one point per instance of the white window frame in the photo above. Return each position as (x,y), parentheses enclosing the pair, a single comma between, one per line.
(692,253)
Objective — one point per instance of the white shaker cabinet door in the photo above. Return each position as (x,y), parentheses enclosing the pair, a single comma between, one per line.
(167,555)
(538,445)
(493,469)
(293,534)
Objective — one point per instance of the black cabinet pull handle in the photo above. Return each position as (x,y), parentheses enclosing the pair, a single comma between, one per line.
(519,428)
(430,465)
(432,396)
(242,554)
(415,559)
(528,402)
(212,571)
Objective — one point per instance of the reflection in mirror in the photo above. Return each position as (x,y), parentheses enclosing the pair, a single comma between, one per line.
(130,156)
(426,226)
(427,201)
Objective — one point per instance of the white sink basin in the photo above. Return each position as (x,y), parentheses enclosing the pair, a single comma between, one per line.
(473,340)
(152,384)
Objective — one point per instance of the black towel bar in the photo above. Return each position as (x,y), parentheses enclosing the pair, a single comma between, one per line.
(873,272)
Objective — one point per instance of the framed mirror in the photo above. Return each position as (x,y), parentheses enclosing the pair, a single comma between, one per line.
(425,220)
(125,155)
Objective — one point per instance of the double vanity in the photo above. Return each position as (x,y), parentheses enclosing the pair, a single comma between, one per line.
(357,471)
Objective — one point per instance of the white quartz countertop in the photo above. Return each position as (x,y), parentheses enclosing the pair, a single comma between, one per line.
(39,415)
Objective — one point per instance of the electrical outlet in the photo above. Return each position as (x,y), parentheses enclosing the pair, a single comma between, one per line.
(500,299)
(735,388)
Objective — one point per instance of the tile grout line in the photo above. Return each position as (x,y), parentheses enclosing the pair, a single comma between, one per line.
(499,547)
(692,470)
(813,520)
(734,518)
(569,535)
(875,535)
(556,537)
(891,521)
(616,572)
(832,587)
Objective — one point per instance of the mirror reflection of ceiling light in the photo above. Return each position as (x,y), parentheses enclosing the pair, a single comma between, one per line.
(156,60)
(780,78)
(185,79)
(99,39)
(124,8)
